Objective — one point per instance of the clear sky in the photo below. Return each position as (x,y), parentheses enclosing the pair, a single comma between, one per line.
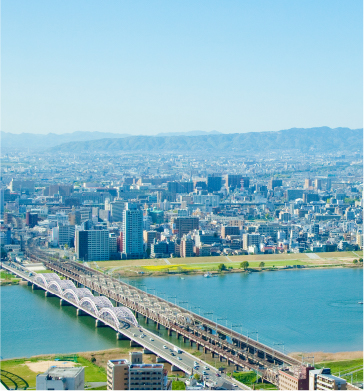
(144,67)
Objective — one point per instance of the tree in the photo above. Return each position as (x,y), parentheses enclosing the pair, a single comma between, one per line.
(361,260)
(221,267)
(244,265)
(66,246)
(196,376)
(355,261)
(261,264)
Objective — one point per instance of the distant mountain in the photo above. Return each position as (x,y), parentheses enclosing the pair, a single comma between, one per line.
(193,133)
(314,139)
(25,141)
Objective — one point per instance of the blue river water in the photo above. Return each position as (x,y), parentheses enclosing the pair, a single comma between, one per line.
(306,310)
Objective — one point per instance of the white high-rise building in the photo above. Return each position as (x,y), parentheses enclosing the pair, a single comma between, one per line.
(132,232)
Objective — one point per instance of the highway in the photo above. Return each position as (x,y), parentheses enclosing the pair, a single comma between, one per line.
(131,330)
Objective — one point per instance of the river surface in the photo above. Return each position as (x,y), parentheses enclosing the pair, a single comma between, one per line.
(307,310)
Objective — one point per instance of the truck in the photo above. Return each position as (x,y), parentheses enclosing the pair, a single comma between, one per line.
(177,349)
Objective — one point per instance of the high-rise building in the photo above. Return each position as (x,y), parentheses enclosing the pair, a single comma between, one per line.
(214,183)
(180,187)
(117,208)
(92,245)
(318,184)
(274,183)
(31,219)
(26,186)
(229,230)
(184,225)
(132,231)
(308,183)
(233,181)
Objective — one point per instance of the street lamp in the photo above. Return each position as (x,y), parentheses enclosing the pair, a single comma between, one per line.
(173,297)
(199,308)
(280,343)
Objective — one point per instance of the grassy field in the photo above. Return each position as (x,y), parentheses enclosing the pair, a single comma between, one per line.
(342,367)
(269,259)
(178,385)
(249,378)
(93,373)
(8,279)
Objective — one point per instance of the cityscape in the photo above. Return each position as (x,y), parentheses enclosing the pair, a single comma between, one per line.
(140,254)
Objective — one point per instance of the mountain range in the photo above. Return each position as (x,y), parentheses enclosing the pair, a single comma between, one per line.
(31,141)
(323,139)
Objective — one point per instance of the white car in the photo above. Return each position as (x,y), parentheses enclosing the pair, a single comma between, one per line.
(179,358)
(151,339)
(165,347)
(207,368)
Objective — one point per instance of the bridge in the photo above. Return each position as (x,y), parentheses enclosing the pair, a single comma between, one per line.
(221,342)
(121,319)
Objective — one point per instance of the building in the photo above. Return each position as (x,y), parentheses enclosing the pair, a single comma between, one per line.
(207,200)
(132,232)
(317,184)
(186,247)
(22,186)
(229,230)
(92,245)
(308,183)
(63,234)
(134,375)
(162,249)
(149,237)
(294,378)
(274,183)
(184,225)
(116,209)
(56,378)
(214,183)
(321,379)
(293,194)
(31,219)
(180,187)
(250,240)
(233,181)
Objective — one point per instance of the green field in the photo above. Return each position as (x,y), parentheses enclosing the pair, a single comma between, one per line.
(93,373)
(250,378)
(178,385)
(342,367)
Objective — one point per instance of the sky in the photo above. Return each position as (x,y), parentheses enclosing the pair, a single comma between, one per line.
(144,67)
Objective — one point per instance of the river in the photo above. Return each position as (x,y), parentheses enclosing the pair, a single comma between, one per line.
(306,310)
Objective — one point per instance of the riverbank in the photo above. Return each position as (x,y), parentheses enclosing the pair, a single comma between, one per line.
(322,356)
(232,264)
(8,279)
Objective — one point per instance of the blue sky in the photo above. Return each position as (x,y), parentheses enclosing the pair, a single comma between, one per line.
(144,67)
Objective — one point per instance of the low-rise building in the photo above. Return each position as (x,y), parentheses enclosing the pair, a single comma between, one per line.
(56,378)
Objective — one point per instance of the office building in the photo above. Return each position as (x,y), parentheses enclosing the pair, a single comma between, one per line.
(233,181)
(31,219)
(250,240)
(134,375)
(22,186)
(229,230)
(308,183)
(321,379)
(184,225)
(149,237)
(116,209)
(274,183)
(63,234)
(57,378)
(214,183)
(92,245)
(180,187)
(293,194)
(132,232)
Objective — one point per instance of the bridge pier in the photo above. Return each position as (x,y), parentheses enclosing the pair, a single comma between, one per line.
(158,326)
(120,336)
(205,350)
(134,344)
(146,351)
(160,359)
(63,302)
(99,323)
(185,339)
(191,342)
(81,312)
(169,332)
(221,358)
(29,283)
(146,320)
(48,294)
(35,287)
(174,368)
